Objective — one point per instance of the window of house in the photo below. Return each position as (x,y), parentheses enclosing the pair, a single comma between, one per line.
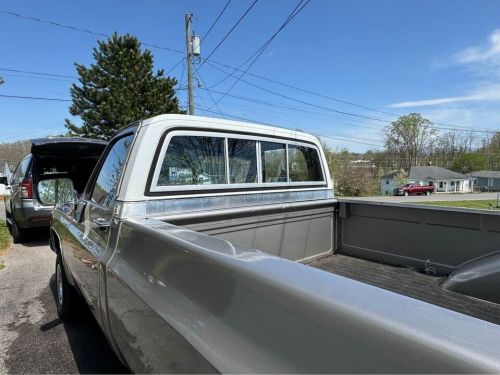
(490,182)
(242,156)
(193,160)
(440,184)
(304,164)
(387,182)
(273,162)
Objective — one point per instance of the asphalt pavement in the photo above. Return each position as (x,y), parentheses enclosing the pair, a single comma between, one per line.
(32,337)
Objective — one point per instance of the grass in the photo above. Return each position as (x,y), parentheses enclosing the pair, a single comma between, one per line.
(4,236)
(479,204)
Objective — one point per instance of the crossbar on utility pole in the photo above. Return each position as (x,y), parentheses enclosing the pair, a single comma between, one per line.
(189,57)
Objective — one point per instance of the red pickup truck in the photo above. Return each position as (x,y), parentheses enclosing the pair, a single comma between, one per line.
(416,189)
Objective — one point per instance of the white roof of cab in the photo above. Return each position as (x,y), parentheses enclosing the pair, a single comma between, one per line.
(151,131)
(211,123)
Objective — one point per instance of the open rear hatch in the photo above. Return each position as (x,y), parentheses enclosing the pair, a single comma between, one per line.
(74,158)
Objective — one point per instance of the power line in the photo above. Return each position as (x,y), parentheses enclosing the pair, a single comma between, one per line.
(338,111)
(228,33)
(290,107)
(36,77)
(74,28)
(175,66)
(35,98)
(318,94)
(250,58)
(38,73)
(209,93)
(298,8)
(307,103)
(37,129)
(216,20)
(452,127)
(314,133)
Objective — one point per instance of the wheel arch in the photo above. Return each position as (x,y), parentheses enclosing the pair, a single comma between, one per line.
(55,245)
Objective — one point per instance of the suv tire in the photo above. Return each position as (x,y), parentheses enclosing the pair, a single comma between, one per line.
(19,235)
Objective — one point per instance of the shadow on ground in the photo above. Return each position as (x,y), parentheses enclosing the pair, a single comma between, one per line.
(37,237)
(91,350)
(53,346)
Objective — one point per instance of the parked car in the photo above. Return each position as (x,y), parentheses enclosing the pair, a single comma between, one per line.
(263,270)
(30,200)
(414,189)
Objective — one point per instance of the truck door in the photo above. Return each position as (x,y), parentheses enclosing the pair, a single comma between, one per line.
(90,235)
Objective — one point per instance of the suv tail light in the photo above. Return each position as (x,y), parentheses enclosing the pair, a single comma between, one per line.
(26,188)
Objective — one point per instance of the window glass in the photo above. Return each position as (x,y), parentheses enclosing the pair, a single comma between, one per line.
(304,164)
(107,181)
(242,161)
(24,166)
(273,162)
(193,160)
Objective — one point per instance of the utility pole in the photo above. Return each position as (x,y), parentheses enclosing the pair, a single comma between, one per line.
(189,57)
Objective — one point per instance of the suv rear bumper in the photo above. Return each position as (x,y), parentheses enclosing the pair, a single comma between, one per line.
(33,214)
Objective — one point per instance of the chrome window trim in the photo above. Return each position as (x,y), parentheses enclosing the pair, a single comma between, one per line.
(155,188)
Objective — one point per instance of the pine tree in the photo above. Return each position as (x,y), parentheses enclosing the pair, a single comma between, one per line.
(119,88)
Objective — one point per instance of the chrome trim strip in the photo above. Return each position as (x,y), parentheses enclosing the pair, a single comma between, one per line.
(162,207)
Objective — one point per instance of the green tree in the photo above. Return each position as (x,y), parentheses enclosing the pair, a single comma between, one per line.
(120,87)
(410,139)
(469,162)
(401,178)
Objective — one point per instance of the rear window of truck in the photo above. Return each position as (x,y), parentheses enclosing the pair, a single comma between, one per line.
(207,161)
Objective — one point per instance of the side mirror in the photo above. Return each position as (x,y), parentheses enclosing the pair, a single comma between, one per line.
(56,190)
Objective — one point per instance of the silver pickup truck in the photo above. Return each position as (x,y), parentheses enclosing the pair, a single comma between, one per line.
(205,245)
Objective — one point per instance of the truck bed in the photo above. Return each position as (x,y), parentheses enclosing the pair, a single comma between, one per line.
(409,283)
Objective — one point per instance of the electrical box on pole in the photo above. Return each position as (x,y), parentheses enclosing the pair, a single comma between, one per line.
(195,45)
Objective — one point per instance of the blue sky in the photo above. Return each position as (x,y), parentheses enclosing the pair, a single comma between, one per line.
(440,58)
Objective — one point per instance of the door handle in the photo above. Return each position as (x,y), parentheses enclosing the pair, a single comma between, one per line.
(103,224)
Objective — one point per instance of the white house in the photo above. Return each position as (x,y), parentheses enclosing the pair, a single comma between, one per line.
(387,183)
(443,179)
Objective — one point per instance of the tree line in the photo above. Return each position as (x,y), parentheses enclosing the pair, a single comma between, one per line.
(412,140)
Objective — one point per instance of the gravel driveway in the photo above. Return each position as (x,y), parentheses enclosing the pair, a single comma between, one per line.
(32,338)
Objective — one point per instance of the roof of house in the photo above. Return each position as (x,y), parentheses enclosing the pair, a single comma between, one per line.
(434,173)
(389,175)
(486,174)
(430,173)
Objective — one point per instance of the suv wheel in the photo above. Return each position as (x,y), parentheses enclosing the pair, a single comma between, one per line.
(19,234)
(67,298)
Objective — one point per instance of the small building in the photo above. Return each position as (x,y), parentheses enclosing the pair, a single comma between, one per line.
(387,183)
(444,180)
(486,180)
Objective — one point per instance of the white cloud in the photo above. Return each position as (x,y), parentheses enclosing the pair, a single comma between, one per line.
(483,61)
(489,54)
(486,93)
